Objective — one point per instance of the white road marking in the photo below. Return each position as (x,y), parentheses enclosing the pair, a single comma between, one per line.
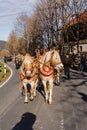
(8,77)
(62,122)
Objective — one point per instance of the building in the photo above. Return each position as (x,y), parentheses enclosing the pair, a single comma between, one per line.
(77,32)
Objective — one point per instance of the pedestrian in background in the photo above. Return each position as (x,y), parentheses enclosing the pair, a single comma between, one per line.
(67,64)
(82,62)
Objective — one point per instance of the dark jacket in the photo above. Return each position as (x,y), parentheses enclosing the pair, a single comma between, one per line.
(67,61)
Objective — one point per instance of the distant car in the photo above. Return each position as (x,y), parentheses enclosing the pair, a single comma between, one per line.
(18,62)
(7,58)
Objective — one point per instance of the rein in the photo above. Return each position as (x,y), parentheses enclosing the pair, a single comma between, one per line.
(45,60)
(49,61)
(43,63)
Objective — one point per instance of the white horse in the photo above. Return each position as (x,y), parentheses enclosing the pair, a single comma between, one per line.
(29,75)
(48,62)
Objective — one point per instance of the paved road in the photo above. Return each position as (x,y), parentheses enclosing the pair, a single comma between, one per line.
(67,112)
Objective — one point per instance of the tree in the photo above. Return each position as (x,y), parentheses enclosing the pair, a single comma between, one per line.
(4,52)
(50,24)
(21,28)
(15,45)
(11,42)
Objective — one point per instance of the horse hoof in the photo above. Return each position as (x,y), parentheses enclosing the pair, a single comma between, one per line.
(46,101)
(58,84)
(22,94)
(25,102)
(34,95)
(49,103)
(31,99)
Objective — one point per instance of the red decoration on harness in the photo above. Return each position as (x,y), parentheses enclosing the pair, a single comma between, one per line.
(22,77)
(44,69)
(45,72)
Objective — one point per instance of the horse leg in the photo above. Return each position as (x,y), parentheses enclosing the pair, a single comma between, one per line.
(32,92)
(58,80)
(26,93)
(57,76)
(50,91)
(45,90)
(35,87)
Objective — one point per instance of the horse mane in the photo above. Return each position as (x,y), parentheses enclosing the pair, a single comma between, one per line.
(55,58)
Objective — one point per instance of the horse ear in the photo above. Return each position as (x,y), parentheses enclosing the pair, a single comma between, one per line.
(52,53)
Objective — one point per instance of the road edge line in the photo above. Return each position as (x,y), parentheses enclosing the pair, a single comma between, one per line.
(8,77)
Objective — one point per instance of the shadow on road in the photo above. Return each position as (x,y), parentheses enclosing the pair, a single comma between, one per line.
(26,123)
(40,88)
(83,96)
(79,78)
(78,74)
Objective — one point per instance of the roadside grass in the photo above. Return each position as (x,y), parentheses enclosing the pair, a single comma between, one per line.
(3,76)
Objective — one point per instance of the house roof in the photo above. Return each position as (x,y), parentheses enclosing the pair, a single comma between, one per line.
(81,18)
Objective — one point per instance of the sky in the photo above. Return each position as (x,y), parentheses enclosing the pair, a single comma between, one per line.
(9,11)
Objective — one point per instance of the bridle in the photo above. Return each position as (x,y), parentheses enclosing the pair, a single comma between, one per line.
(33,67)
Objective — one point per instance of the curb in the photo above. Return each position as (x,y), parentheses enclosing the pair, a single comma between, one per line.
(2,84)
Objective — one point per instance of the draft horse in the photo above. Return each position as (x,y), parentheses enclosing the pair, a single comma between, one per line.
(48,62)
(29,75)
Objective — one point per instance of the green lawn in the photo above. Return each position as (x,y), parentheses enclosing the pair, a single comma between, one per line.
(3,77)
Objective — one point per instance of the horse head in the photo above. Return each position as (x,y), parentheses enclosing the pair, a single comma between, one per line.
(56,60)
(52,58)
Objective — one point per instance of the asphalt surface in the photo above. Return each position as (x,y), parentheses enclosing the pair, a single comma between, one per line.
(68,110)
